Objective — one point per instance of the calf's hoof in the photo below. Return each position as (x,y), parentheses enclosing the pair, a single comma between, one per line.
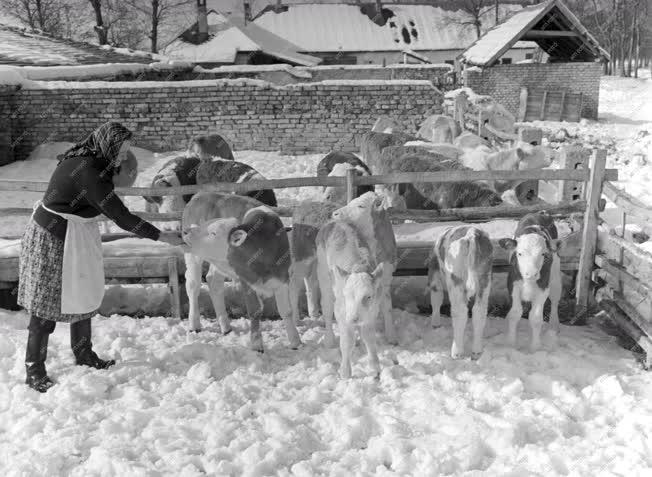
(476,356)
(295,345)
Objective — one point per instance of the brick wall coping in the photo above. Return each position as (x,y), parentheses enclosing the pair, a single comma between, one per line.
(166,85)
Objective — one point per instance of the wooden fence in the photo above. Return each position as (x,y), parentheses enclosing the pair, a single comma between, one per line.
(167,265)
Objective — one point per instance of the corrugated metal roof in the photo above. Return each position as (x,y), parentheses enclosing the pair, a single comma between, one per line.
(339,27)
(228,36)
(21,47)
(488,48)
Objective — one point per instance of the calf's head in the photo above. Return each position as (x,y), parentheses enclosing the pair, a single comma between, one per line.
(210,239)
(531,252)
(337,194)
(361,291)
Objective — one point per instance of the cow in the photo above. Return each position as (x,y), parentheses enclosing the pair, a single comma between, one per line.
(307,219)
(351,282)
(439,129)
(461,263)
(373,143)
(209,146)
(367,213)
(244,240)
(534,274)
(430,196)
(190,170)
(335,164)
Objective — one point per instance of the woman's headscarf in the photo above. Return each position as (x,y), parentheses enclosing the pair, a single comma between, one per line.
(103,144)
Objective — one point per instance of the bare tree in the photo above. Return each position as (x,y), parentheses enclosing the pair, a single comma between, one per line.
(474,11)
(101,30)
(38,14)
(157,12)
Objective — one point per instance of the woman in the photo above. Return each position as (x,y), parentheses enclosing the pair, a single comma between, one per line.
(61,266)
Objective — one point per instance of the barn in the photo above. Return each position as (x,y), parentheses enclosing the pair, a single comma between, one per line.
(562,84)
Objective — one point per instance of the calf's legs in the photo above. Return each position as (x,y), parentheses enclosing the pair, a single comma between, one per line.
(459,315)
(193,286)
(216,290)
(327,301)
(536,319)
(514,315)
(436,286)
(282,295)
(555,293)
(479,317)
(254,310)
(386,305)
(368,335)
(312,292)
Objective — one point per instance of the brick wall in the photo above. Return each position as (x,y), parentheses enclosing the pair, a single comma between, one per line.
(312,117)
(504,82)
(6,140)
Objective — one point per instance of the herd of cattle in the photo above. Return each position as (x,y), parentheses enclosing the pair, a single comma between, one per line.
(345,254)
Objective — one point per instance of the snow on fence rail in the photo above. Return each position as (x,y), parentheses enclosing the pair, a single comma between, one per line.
(416,264)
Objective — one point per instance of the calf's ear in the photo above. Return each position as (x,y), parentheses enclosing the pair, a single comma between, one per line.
(237,237)
(507,243)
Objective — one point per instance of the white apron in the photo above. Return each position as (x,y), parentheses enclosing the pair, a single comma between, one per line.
(82,276)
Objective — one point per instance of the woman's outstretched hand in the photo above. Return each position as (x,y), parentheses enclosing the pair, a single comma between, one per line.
(172,238)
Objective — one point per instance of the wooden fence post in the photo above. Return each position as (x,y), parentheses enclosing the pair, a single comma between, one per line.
(350,185)
(173,284)
(590,233)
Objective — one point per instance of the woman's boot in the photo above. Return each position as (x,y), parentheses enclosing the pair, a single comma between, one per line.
(36,354)
(80,342)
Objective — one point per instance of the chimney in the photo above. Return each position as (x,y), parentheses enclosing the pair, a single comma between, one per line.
(247,11)
(202,22)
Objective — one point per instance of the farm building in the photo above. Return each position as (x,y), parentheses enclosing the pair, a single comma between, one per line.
(217,39)
(565,87)
(25,47)
(337,33)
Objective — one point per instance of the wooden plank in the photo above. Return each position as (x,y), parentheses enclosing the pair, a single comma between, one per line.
(538,34)
(629,327)
(522,108)
(563,104)
(173,284)
(486,213)
(628,203)
(443,176)
(590,232)
(635,316)
(632,258)
(350,185)
(621,273)
(542,114)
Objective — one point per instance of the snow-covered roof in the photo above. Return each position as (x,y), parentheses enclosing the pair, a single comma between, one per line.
(553,16)
(229,36)
(342,27)
(25,47)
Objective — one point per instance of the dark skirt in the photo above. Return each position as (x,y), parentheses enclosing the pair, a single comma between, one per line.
(41,265)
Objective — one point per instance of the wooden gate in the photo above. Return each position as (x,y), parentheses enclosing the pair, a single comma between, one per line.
(550,105)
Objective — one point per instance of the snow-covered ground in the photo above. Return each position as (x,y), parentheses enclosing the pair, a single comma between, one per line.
(204,404)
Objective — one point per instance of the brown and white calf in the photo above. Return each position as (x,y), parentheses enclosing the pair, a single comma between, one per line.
(335,164)
(534,274)
(461,264)
(242,240)
(351,281)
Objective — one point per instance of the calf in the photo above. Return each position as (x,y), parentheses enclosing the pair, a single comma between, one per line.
(179,171)
(368,215)
(373,143)
(243,240)
(347,265)
(307,219)
(439,129)
(432,195)
(190,170)
(209,146)
(534,274)
(385,124)
(461,263)
(335,164)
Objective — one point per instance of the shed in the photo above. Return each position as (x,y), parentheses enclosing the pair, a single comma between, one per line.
(565,87)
